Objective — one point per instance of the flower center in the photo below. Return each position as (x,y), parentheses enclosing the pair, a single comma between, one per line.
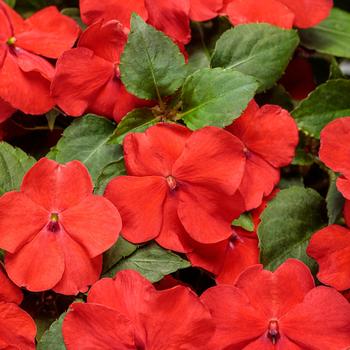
(11,41)
(53,225)
(171,182)
(273,331)
(246,152)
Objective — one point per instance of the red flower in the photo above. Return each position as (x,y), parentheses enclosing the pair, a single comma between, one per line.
(22,43)
(130,313)
(17,329)
(278,310)
(270,136)
(179,186)
(334,150)
(282,13)
(5,110)
(55,229)
(330,247)
(170,16)
(87,77)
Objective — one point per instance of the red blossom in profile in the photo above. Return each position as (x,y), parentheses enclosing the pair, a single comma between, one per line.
(179,186)
(54,229)
(282,13)
(270,136)
(170,16)
(130,313)
(278,310)
(334,150)
(22,44)
(87,78)
(17,329)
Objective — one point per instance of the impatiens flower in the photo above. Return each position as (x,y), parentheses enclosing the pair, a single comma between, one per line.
(17,329)
(25,75)
(334,150)
(278,310)
(270,136)
(170,16)
(330,247)
(54,229)
(128,313)
(282,13)
(179,186)
(87,77)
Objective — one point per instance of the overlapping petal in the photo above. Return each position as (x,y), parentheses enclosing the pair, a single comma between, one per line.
(204,10)
(9,292)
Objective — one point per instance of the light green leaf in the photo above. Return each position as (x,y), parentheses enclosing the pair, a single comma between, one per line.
(152,261)
(151,66)
(245,221)
(335,201)
(215,97)
(260,50)
(14,163)
(53,338)
(109,172)
(327,102)
(331,36)
(287,225)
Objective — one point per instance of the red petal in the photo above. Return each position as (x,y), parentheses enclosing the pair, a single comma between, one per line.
(140,203)
(94,223)
(170,17)
(252,11)
(31,93)
(46,265)
(9,292)
(330,247)
(92,10)
(321,321)
(20,220)
(6,110)
(80,78)
(6,29)
(270,132)
(105,39)
(80,271)
(92,326)
(55,186)
(343,185)
(335,145)
(346,212)
(155,151)
(204,10)
(48,33)
(308,13)
(211,158)
(17,329)
(14,19)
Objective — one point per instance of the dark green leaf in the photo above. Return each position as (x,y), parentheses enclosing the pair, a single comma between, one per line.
(326,103)
(52,338)
(86,139)
(109,172)
(287,225)
(14,163)
(11,3)
(151,66)
(137,120)
(335,201)
(245,221)
(152,261)
(260,50)
(215,97)
(332,36)
(74,13)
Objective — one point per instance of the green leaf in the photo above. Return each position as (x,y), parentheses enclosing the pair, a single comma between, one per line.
(137,120)
(152,261)
(331,36)
(245,221)
(53,338)
(11,3)
(14,163)
(109,172)
(327,102)
(215,97)
(151,66)
(260,50)
(74,13)
(86,139)
(335,201)
(121,249)
(287,225)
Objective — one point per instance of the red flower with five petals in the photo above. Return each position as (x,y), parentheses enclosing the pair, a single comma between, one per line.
(180,185)
(130,313)
(58,225)
(22,43)
(278,310)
